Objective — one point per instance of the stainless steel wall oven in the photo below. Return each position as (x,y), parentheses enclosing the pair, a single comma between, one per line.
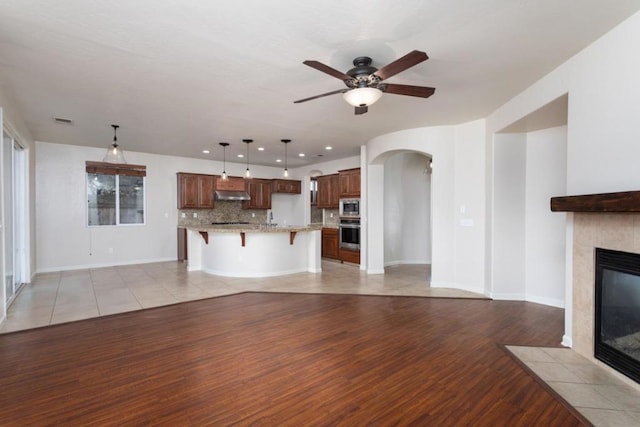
(350,233)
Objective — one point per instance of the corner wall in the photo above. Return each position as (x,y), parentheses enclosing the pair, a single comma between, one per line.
(457,255)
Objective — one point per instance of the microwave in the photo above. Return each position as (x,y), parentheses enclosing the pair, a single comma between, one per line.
(350,207)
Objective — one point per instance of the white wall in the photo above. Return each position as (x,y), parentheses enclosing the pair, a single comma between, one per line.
(509,216)
(602,130)
(407,210)
(469,206)
(64,240)
(546,176)
(529,239)
(450,248)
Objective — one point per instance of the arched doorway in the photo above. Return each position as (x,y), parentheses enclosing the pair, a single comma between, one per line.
(407,211)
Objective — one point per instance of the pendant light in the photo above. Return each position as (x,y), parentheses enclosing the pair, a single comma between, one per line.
(224,167)
(114,153)
(247,173)
(286,171)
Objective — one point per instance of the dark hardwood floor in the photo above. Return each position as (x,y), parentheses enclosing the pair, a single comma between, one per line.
(285,359)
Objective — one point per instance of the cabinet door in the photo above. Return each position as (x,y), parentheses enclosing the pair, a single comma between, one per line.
(334,202)
(265,191)
(286,186)
(324,192)
(330,243)
(350,183)
(206,186)
(187,191)
(260,192)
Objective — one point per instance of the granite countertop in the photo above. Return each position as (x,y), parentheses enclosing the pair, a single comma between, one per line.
(253,228)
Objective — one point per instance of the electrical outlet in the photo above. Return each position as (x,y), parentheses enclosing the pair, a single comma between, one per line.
(331,215)
(253,214)
(195,215)
(183,215)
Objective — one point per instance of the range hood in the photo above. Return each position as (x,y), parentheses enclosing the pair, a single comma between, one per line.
(231,195)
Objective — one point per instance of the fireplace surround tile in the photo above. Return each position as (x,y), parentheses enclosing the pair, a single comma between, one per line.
(617,231)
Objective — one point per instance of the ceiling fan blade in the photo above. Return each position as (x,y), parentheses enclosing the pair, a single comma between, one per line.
(328,70)
(419,91)
(320,96)
(361,110)
(409,60)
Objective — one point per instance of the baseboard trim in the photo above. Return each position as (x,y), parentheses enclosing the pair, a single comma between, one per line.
(553,302)
(101,265)
(253,275)
(567,341)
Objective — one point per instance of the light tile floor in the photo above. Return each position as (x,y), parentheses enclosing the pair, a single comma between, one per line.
(80,294)
(597,394)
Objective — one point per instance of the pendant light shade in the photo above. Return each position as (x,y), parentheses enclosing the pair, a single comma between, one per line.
(286,171)
(247,173)
(114,153)
(224,164)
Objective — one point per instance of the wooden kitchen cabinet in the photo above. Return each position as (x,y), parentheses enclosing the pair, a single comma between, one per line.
(350,182)
(232,183)
(328,191)
(260,192)
(349,255)
(330,243)
(195,191)
(287,186)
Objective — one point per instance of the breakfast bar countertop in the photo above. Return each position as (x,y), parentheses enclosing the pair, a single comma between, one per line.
(253,228)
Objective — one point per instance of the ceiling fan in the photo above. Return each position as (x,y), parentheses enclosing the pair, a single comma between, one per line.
(364,82)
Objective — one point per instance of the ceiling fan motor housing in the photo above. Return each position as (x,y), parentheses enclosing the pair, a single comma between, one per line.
(362,74)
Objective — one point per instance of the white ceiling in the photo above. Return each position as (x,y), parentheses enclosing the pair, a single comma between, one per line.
(180,76)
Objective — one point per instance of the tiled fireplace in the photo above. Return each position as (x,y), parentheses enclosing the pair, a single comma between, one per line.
(616,231)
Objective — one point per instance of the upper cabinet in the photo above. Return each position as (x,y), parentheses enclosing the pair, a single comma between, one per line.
(260,192)
(350,183)
(232,183)
(328,191)
(287,186)
(195,191)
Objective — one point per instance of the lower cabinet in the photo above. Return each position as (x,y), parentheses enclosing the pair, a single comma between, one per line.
(350,256)
(330,248)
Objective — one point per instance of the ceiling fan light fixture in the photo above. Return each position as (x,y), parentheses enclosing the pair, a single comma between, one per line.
(114,153)
(362,96)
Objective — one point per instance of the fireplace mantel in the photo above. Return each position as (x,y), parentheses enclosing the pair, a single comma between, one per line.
(626,201)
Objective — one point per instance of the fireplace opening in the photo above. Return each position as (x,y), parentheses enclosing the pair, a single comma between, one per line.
(617,317)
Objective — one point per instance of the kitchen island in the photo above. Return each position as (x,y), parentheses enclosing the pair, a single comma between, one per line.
(254,250)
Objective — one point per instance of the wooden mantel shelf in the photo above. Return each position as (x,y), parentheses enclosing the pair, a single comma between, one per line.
(626,201)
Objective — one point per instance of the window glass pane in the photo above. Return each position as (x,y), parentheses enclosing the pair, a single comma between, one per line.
(101,195)
(131,199)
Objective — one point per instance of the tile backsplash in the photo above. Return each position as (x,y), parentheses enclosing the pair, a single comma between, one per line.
(224,211)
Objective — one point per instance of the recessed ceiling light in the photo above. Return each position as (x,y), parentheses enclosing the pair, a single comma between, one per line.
(260,148)
(240,155)
(278,160)
(206,151)
(328,147)
(301,155)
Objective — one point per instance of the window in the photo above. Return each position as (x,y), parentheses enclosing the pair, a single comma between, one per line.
(115,194)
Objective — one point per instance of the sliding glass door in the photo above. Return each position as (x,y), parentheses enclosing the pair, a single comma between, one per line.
(13,216)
